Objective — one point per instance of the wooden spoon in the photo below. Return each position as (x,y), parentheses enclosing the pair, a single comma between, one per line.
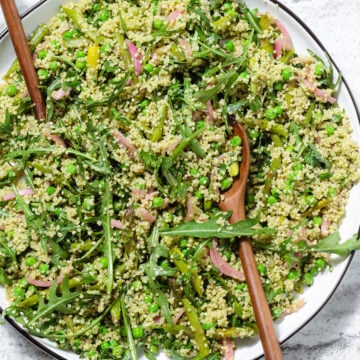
(23,54)
(234,200)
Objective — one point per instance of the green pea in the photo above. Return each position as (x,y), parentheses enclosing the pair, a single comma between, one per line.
(71,169)
(53,66)
(183,243)
(55,45)
(137,332)
(104,345)
(11,90)
(308,278)
(50,190)
(276,312)
(113,343)
(194,171)
(208,204)
(30,261)
(96,6)
(68,34)
(88,204)
(272,113)
(330,130)
(81,65)
(293,274)
(204,181)
(117,351)
(320,264)
(198,194)
(317,220)
(91,353)
(332,192)
(19,292)
(157,202)
(42,54)
(153,308)
(43,268)
(227,6)
(229,46)
(226,183)
(207,326)
(253,134)
(43,74)
(286,74)
(105,48)
(244,74)
(158,24)
(200,124)
(319,69)
(311,200)
(104,262)
(262,269)
(102,329)
(235,141)
(104,15)
(240,287)
(148,299)
(149,68)
(153,348)
(80,54)
(271,200)
(137,284)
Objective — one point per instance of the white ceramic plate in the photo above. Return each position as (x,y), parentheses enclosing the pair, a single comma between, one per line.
(326,283)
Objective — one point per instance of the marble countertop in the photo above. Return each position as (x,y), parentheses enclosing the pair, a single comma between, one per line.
(335,332)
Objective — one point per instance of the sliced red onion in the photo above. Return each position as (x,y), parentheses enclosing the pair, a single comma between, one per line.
(146,215)
(178,316)
(122,140)
(222,265)
(117,224)
(189,208)
(186,46)
(61,93)
(322,95)
(210,110)
(55,138)
(44,284)
(283,42)
(316,91)
(228,345)
(173,16)
(136,57)
(22,192)
(324,227)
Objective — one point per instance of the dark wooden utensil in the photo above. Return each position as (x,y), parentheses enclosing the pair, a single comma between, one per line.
(23,54)
(234,200)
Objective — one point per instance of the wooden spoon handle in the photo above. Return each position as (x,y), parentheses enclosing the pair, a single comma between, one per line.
(262,312)
(23,54)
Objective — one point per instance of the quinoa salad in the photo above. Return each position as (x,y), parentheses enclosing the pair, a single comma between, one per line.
(112,243)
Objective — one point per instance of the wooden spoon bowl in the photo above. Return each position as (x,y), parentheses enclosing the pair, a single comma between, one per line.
(234,200)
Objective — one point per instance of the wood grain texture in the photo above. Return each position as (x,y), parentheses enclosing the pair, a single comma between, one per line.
(235,201)
(23,54)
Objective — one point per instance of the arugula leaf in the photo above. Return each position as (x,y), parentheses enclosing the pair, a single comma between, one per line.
(312,157)
(215,228)
(331,244)
(6,127)
(55,303)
